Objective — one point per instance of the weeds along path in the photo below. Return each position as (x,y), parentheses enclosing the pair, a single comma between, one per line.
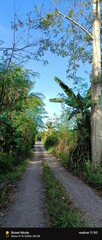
(28,208)
(28,203)
(83,196)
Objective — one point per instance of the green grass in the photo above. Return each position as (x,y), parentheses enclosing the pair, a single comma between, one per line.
(13,175)
(8,179)
(86,171)
(89,173)
(92,174)
(60,208)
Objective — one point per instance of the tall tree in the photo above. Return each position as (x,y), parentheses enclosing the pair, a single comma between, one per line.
(20,111)
(96,86)
(75,41)
(93,43)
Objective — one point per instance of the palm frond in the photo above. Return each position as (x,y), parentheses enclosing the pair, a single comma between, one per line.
(69,102)
(88,103)
(80,102)
(66,89)
(75,112)
(88,94)
(57,100)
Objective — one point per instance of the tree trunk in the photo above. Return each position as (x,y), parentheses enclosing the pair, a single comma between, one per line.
(96,92)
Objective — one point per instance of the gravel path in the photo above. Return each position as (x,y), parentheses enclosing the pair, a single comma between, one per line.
(83,196)
(28,208)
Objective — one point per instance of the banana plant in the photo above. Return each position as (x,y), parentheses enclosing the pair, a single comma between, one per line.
(79,103)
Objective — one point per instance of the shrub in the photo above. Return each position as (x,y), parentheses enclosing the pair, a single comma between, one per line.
(92,174)
(51,141)
(6,163)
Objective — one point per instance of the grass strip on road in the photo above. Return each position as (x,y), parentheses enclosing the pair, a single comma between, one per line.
(60,208)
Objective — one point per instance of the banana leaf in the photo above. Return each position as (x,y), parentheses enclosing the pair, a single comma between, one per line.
(75,112)
(69,102)
(66,89)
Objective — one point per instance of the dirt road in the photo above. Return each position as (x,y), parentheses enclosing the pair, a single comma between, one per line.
(28,206)
(84,197)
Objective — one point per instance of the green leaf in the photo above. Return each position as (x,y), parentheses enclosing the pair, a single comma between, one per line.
(66,89)
(88,94)
(75,112)
(57,100)
(69,102)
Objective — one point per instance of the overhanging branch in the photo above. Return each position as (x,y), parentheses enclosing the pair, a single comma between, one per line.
(73,21)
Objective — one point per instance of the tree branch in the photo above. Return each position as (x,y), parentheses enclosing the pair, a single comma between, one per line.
(14,38)
(73,21)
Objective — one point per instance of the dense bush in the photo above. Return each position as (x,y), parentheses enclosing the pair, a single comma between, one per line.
(81,153)
(92,174)
(20,114)
(60,142)
(71,146)
(51,141)
(6,163)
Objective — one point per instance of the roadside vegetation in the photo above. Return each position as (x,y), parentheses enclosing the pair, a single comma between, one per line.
(8,181)
(20,116)
(61,211)
(64,149)
(69,137)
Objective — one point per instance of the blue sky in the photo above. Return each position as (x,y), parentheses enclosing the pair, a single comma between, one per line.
(57,66)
